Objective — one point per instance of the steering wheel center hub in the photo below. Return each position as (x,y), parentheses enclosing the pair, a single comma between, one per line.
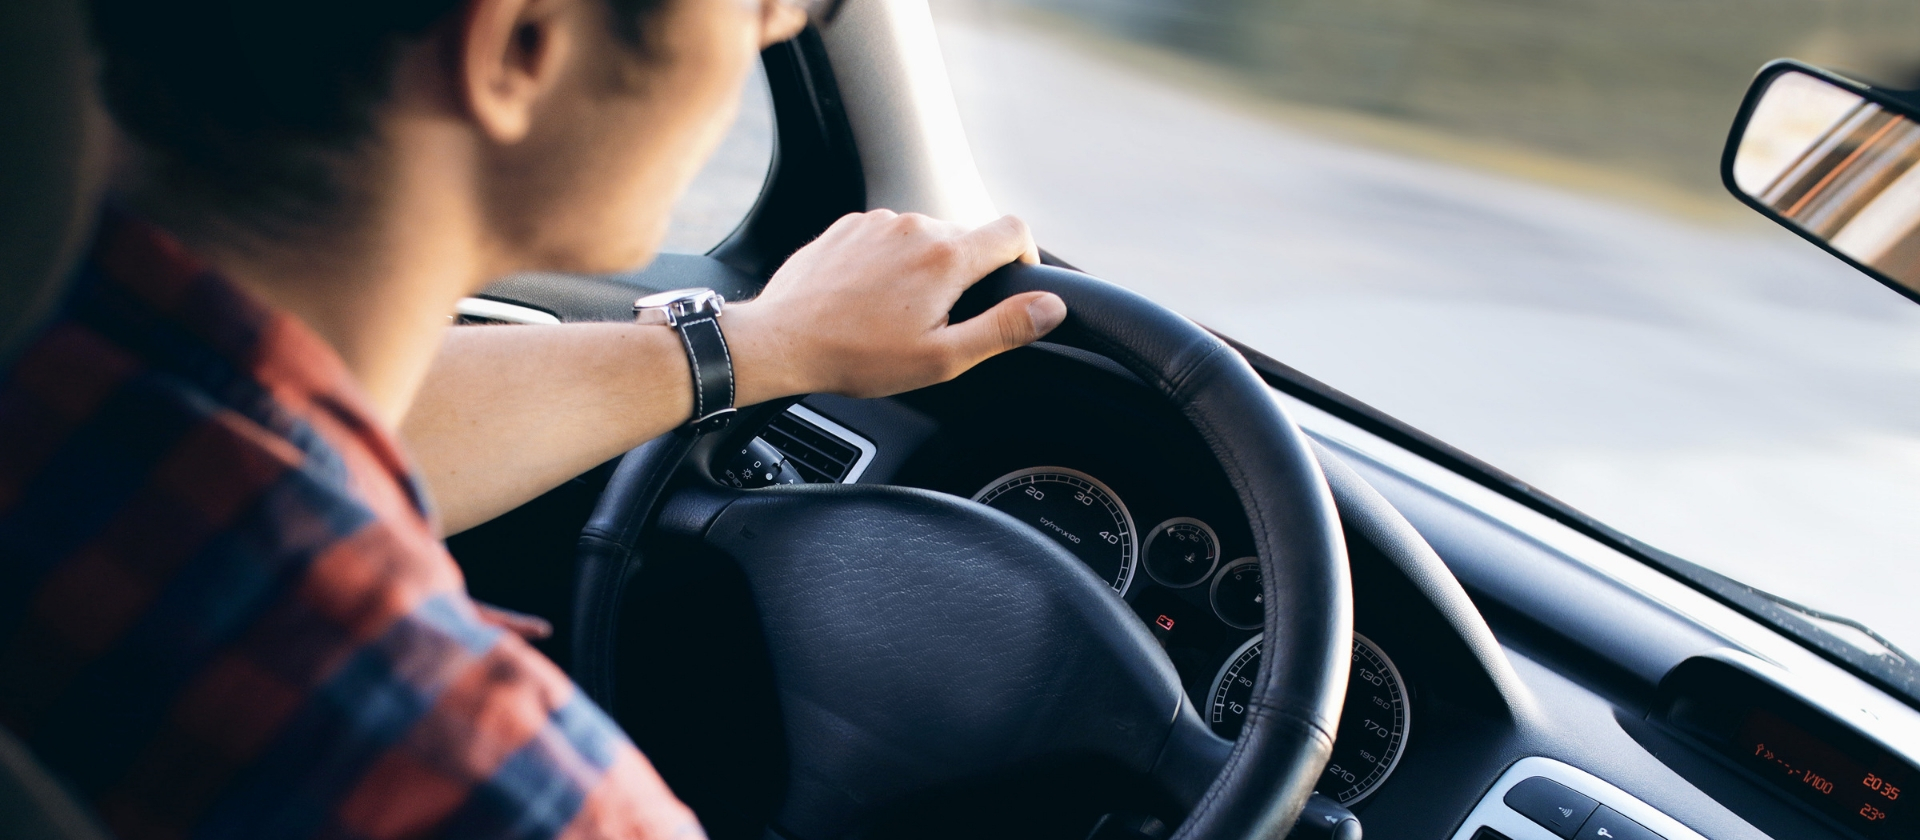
(919,639)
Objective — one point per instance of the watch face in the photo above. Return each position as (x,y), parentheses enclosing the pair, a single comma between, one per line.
(672,307)
(660,299)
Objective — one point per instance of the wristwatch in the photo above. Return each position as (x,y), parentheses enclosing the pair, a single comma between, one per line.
(695,314)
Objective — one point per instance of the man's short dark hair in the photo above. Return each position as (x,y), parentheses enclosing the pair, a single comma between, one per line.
(251,105)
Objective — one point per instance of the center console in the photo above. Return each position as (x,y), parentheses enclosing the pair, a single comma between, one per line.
(1543,799)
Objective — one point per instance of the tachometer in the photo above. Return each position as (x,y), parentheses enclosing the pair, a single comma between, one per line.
(1373,726)
(1077,511)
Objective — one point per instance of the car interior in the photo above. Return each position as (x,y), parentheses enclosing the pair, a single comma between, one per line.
(1134,581)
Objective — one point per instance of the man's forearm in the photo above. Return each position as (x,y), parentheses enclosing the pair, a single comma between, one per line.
(509,412)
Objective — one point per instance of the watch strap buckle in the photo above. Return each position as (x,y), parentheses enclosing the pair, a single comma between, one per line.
(713,422)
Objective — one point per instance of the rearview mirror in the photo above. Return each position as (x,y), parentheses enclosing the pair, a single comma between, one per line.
(1833,160)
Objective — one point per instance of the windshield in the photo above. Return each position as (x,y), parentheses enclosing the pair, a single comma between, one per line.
(1502,223)
(727,186)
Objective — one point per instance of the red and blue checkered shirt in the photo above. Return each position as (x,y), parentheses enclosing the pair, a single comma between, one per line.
(223,611)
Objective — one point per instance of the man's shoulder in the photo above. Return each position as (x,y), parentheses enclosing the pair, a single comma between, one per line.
(197,610)
(150,523)
(223,611)
(193,554)
(102,433)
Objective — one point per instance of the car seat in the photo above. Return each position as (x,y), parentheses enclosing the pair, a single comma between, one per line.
(52,144)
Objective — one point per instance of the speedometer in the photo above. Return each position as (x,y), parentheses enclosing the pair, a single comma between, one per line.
(1077,511)
(1373,725)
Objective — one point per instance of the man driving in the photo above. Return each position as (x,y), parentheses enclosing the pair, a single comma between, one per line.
(228,460)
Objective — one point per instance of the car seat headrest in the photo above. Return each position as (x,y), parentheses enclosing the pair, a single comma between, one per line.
(53,143)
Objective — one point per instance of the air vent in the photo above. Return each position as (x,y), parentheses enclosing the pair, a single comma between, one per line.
(823,451)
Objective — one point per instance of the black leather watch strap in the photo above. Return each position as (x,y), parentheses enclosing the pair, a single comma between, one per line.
(712,373)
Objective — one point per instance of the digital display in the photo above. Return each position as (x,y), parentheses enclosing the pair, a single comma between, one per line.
(1865,793)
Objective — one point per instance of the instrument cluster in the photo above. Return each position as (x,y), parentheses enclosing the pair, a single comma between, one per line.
(1207,612)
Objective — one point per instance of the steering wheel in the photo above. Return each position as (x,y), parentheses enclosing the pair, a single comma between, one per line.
(920,639)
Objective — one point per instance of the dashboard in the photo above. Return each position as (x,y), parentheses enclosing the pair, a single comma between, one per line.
(1489,664)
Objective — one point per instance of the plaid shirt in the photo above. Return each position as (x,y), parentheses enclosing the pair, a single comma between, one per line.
(223,611)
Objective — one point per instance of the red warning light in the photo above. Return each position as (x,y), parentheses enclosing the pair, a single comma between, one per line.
(1165,622)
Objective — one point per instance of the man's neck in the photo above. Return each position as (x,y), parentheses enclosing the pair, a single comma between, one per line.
(379,290)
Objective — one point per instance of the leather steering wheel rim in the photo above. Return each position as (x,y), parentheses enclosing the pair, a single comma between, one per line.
(1274,765)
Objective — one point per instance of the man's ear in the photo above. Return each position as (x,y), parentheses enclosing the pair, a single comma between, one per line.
(511,55)
(779,22)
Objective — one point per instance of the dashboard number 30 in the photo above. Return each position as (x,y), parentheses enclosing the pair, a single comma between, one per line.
(1077,511)
(1373,726)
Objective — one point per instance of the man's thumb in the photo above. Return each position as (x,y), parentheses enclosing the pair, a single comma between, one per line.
(1014,322)
(1044,312)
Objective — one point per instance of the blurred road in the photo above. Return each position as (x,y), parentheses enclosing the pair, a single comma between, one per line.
(1728,393)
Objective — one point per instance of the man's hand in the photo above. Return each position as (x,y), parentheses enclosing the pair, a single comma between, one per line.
(862,310)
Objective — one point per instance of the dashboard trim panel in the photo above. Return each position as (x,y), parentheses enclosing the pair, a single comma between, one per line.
(500,311)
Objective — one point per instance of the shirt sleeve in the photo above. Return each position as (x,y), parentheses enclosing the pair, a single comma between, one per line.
(374,701)
(511,748)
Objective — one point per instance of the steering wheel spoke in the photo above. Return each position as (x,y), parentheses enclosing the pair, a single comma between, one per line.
(1191,759)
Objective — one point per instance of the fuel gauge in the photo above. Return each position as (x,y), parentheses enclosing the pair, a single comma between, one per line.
(1238,596)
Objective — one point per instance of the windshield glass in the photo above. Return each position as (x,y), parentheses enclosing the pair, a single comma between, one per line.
(1502,223)
(727,186)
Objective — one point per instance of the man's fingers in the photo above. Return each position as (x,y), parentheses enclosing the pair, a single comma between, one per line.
(1014,322)
(995,244)
(531,627)
(850,222)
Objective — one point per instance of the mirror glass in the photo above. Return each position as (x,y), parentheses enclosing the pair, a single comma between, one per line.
(1839,167)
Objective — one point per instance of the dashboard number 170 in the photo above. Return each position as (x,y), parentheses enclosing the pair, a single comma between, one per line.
(1373,726)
